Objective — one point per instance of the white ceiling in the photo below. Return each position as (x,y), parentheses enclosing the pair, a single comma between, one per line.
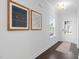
(73,7)
(53,2)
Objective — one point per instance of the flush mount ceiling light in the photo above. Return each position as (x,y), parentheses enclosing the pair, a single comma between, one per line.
(63,4)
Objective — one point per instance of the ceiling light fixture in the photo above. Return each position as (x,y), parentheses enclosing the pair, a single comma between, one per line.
(63,4)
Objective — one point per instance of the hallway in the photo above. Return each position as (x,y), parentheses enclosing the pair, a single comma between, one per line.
(39,29)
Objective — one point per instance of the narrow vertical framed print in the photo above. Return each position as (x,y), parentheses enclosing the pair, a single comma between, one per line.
(36,20)
(18,16)
(68,27)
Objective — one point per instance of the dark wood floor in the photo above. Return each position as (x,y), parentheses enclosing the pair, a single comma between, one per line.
(52,53)
(49,52)
(78,51)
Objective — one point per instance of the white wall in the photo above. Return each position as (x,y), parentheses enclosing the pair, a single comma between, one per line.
(78,22)
(69,14)
(74,36)
(25,44)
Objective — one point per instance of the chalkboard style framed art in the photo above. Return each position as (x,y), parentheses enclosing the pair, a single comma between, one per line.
(18,16)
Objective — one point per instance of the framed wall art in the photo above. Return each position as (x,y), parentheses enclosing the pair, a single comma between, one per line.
(36,20)
(18,16)
(52,27)
(67,27)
